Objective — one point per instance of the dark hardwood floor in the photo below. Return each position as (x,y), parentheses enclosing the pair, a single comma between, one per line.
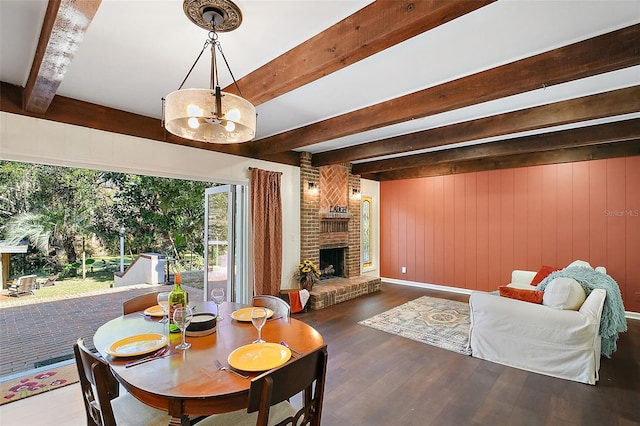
(375,378)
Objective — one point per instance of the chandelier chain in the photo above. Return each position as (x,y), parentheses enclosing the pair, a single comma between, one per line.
(235,83)
(206,43)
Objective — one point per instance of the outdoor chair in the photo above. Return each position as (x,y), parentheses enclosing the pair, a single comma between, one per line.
(51,281)
(104,406)
(270,391)
(140,303)
(25,285)
(279,307)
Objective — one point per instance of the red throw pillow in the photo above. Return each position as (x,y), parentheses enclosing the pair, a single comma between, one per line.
(542,274)
(532,296)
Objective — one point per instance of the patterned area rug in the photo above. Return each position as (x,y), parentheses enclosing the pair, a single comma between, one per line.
(35,383)
(438,322)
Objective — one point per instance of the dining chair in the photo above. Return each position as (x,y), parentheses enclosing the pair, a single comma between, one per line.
(269,394)
(140,303)
(100,390)
(279,307)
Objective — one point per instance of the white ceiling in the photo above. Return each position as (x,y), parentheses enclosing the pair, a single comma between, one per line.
(136,52)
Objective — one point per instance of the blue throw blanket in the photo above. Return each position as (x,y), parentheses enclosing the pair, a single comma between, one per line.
(613,320)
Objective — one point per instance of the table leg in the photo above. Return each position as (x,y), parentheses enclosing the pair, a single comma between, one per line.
(176,421)
(176,411)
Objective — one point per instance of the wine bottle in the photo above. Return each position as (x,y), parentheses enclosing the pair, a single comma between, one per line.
(177,298)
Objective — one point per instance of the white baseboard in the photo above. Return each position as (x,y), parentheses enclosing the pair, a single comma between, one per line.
(627,314)
(427,285)
(632,315)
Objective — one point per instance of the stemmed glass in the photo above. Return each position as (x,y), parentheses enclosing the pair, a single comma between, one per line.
(217,294)
(182,318)
(259,318)
(163,301)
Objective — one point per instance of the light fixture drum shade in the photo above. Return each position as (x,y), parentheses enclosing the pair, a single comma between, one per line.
(192,114)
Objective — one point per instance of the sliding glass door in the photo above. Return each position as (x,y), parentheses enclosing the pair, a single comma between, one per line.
(225,246)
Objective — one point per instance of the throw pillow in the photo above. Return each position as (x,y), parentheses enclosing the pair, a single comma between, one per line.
(542,274)
(564,293)
(532,296)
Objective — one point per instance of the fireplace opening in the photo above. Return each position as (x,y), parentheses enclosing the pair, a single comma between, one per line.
(332,262)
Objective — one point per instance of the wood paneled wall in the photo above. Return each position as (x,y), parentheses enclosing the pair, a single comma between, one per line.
(471,230)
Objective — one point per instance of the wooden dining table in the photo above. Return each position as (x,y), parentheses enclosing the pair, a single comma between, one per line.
(188,383)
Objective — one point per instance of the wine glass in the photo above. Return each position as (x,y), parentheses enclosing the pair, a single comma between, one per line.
(182,318)
(259,318)
(163,301)
(217,294)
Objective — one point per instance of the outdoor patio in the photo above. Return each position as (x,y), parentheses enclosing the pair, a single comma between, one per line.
(38,332)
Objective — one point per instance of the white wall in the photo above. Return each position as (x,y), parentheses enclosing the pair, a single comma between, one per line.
(33,140)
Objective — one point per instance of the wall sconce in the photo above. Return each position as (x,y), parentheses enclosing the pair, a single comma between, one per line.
(312,186)
(355,192)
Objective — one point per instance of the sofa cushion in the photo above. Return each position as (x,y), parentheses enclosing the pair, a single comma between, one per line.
(564,293)
(532,296)
(542,274)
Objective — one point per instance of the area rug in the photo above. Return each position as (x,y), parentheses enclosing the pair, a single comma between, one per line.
(438,322)
(37,382)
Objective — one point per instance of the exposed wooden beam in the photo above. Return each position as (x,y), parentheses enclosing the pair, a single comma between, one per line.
(567,155)
(589,135)
(617,102)
(578,60)
(79,113)
(370,30)
(63,29)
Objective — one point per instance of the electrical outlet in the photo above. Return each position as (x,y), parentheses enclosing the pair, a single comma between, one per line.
(403,270)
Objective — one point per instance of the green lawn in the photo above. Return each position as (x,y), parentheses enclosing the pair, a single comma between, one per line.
(99,276)
(71,286)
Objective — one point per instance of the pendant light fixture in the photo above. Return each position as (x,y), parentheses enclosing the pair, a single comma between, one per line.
(210,115)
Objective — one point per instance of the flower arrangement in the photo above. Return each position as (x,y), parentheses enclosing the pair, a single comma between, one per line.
(308,274)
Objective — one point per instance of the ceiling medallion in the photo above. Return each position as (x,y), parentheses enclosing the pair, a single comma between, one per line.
(231,16)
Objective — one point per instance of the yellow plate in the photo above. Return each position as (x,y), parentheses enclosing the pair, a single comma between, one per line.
(259,356)
(244,314)
(137,345)
(154,311)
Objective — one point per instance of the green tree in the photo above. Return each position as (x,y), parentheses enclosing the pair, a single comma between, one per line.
(56,208)
(62,204)
(161,214)
(17,187)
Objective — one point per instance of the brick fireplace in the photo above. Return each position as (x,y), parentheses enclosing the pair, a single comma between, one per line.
(330,221)
(324,224)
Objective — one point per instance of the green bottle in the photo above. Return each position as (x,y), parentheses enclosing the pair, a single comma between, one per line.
(177,298)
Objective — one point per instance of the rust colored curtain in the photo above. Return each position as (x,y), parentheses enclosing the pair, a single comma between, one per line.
(266,222)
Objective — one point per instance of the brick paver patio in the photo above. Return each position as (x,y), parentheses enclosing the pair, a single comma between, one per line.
(40,330)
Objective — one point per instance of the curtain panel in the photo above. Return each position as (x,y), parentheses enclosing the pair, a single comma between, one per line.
(266,223)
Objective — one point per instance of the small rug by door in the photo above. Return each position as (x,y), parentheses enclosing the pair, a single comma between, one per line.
(37,382)
(438,322)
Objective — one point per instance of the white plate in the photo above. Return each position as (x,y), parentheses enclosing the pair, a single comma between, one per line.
(244,314)
(154,311)
(259,356)
(139,344)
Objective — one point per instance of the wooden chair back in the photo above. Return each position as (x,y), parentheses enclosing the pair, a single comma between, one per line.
(287,381)
(279,307)
(140,303)
(98,386)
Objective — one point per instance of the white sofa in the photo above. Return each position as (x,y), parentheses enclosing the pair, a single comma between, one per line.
(535,337)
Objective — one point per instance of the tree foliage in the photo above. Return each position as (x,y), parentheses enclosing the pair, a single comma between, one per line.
(58,209)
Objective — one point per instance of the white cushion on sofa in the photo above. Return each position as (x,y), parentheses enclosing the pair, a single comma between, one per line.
(564,293)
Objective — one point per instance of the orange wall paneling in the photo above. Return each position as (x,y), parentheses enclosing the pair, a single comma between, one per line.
(471,230)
